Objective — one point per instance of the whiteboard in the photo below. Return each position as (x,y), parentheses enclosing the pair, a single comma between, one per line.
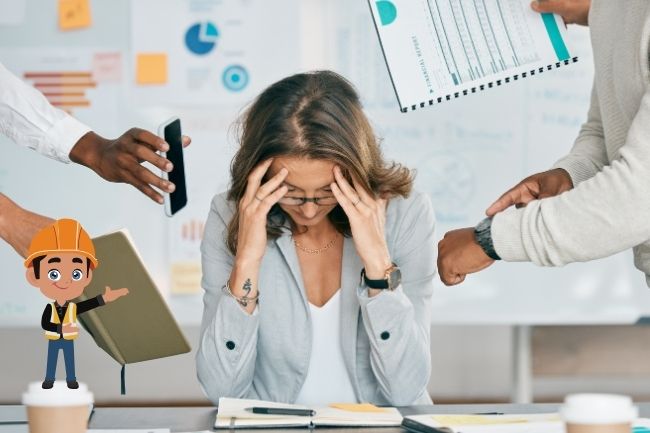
(466,152)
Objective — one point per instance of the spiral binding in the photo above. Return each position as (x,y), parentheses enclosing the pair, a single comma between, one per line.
(489,85)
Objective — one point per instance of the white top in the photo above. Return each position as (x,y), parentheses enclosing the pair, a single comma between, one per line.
(327,379)
(607,211)
(28,119)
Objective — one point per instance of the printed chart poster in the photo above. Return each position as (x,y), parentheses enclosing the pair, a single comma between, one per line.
(84,82)
(211,52)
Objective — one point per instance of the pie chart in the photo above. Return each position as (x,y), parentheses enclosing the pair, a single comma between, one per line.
(201,38)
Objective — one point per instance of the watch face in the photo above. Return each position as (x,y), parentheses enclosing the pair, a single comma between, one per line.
(395,278)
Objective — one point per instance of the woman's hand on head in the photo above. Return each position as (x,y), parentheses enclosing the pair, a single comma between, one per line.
(367,216)
(254,207)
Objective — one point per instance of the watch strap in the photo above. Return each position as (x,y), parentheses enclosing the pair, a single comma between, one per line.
(374,284)
(483,234)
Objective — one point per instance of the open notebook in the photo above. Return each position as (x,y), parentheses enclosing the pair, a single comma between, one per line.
(438,50)
(232,414)
(519,423)
(457,423)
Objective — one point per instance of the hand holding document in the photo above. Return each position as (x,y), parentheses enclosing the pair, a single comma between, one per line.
(438,50)
(571,11)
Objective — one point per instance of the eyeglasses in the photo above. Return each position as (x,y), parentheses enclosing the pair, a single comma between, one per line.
(299,201)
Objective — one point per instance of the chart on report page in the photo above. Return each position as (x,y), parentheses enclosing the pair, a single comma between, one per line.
(436,49)
(483,32)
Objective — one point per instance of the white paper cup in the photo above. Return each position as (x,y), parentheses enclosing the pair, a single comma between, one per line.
(59,409)
(598,413)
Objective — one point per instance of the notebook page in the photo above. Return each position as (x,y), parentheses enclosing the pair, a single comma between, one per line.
(232,413)
(439,48)
(531,423)
(329,416)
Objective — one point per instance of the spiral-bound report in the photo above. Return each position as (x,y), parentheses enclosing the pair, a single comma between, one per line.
(438,50)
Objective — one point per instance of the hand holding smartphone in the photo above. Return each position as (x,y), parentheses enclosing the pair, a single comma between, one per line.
(171,132)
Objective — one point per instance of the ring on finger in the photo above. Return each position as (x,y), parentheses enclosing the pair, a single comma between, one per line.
(256,197)
(357,202)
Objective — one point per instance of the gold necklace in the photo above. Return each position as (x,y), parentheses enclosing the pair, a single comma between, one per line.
(315,250)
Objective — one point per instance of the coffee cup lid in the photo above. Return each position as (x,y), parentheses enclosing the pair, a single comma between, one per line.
(59,395)
(598,409)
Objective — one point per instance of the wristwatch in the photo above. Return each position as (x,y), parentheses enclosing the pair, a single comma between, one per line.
(483,234)
(392,279)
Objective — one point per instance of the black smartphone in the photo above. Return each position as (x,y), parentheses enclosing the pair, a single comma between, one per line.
(171,132)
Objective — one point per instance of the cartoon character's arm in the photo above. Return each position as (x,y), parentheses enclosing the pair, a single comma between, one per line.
(90,304)
(108,296)
(46,324)
(112,295)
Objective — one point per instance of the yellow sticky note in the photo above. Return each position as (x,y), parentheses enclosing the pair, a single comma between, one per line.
(74,14)
(357,407)
(151,68)
(185,277)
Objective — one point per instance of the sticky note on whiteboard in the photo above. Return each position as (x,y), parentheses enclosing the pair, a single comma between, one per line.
(107,66)
(151,68)
(74,14)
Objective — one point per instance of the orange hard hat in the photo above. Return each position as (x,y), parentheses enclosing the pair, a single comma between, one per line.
(64,235)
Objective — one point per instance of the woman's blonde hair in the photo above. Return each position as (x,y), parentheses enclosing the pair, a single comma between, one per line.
(314,115)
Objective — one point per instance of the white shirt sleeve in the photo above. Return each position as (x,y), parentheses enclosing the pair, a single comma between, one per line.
(28,119)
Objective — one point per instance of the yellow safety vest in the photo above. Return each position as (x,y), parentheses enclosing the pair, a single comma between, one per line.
(69,318)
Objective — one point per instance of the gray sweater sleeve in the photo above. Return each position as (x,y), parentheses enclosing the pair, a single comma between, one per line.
(588,155)
(225,359)
(602,215)
(398,323)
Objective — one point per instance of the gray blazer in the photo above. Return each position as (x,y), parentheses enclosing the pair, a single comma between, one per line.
(384,339)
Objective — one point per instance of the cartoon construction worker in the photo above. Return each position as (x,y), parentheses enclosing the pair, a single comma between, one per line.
(60,263)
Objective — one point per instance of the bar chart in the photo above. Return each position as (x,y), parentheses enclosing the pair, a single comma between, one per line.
(63,89)
(479,38)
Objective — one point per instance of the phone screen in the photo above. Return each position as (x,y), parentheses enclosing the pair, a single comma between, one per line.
(178,198)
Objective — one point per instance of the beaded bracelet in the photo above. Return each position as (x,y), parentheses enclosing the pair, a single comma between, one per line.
(243,300)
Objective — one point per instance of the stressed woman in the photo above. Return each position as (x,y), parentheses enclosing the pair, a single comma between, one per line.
(318,261)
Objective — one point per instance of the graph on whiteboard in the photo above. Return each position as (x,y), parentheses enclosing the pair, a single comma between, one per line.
(85,82)
(218,53)
(64,89)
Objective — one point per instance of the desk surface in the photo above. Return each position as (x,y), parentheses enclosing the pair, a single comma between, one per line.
(202,418)
(184,419)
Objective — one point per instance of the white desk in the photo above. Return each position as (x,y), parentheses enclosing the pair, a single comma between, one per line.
(180,419)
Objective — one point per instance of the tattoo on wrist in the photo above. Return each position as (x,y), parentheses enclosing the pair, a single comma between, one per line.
(243,300)
(248,286)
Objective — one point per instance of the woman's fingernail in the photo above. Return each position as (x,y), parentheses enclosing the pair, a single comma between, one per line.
(171,187)
(169,166)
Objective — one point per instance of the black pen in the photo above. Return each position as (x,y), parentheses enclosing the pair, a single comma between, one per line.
(281,411)
(488,413)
